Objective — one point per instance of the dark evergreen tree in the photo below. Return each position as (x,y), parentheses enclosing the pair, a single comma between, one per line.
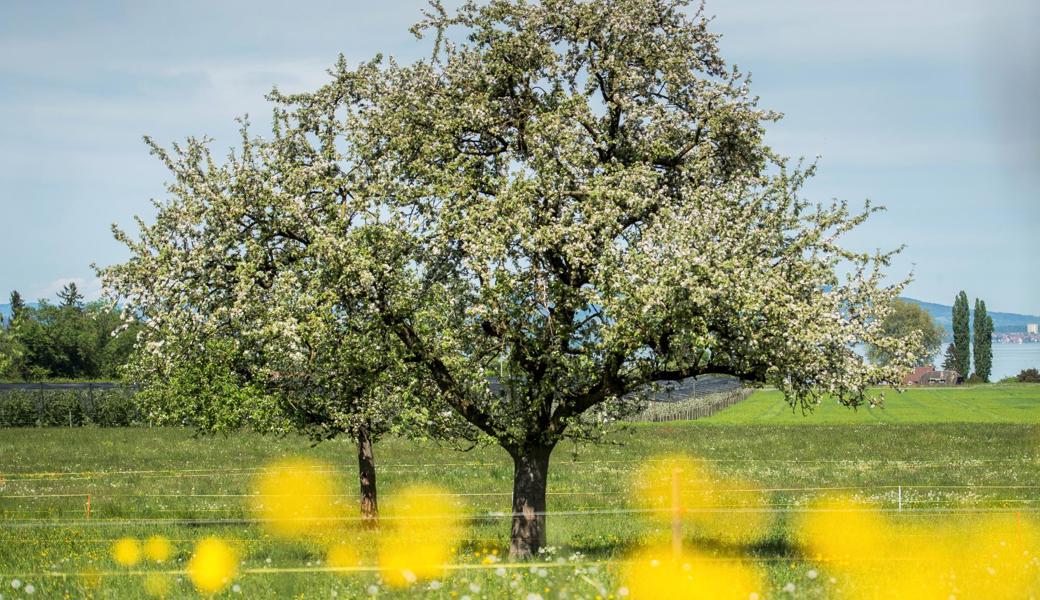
(983,333)
(962,334)
(70,296)
(17,305)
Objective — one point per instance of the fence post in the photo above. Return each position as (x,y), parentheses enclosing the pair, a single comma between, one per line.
(899,496)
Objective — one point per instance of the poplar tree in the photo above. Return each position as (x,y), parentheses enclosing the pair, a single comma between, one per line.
(962,334)
(983,342)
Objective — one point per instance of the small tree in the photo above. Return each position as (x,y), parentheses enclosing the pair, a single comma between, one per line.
(950,359)
(8,352)
(983,346)
(962,334)
(244,323)
(536,226)
(17,305)
(70,297)
(912,323)
(12,351)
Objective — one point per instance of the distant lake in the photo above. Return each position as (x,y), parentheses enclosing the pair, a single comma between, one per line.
(1009,359)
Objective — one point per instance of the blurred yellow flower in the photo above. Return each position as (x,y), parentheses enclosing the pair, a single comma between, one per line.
(157,548)
(720,509)
(656,574)
(126,551)
(342,556)
(841,529)
(424,532)
(880,558)
(213,565)
(296,498)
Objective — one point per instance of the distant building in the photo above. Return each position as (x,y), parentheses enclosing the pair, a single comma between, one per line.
(1033,328)
(928,375)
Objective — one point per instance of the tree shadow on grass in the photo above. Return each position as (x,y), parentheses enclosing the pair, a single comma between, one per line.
(606,547)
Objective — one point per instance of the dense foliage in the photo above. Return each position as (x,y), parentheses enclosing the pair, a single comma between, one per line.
(525,232)
(68,341)
(910,322)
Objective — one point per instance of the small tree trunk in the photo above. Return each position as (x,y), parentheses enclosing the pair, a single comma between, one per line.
(367,476)
(530,474)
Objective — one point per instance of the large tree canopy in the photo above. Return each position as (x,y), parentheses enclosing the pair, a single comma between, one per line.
(914,325)
(566,203)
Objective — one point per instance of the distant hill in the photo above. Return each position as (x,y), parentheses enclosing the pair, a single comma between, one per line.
(5,310)
(1002,322)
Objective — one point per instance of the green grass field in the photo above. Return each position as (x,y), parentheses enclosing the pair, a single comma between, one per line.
(951,453)
(1007,403)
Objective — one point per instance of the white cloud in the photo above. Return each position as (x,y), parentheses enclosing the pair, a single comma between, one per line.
(89,287)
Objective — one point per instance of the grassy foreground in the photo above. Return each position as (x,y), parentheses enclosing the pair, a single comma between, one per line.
(143,482)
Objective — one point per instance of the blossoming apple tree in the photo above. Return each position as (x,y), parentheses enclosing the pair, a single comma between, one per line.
(568,203)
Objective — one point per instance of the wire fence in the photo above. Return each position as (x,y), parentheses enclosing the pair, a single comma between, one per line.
(40,404)
(81,508)
(692,407)
(835,463)
(112,403)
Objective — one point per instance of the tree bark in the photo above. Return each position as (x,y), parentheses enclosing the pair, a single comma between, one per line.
(530,475)
(367,476)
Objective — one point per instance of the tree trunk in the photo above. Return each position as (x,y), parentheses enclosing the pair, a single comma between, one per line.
(367,476)
(530,474)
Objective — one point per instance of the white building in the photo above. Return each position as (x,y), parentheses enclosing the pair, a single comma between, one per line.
(1033,328)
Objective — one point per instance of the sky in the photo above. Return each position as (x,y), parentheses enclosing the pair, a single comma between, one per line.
(927,107)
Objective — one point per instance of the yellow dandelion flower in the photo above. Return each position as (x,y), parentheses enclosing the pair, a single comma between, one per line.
(658,573)
(157,548)
(721,509)
(126,551)
(343,556)
(425,529)
(296,498)
(879,558)
(213,565)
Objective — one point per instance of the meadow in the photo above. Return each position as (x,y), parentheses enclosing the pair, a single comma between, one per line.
(952,457)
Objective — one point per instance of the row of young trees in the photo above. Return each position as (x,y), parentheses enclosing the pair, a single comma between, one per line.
(972,330)
(512,241)
(67,340)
